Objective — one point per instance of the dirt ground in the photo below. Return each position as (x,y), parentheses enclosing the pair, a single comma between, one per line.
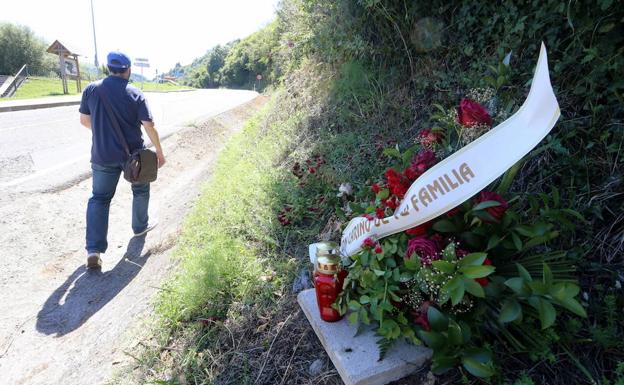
(60,324)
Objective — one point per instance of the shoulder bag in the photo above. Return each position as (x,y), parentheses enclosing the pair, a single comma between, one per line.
(142,164)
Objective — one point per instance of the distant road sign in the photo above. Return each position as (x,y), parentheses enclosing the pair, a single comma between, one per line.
(141,62)
(259,77)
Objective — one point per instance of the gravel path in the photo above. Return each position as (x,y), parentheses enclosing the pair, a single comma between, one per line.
(60,324)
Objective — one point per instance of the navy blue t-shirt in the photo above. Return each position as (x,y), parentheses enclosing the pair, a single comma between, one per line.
(130,108)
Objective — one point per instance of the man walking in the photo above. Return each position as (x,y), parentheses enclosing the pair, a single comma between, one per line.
(108,154)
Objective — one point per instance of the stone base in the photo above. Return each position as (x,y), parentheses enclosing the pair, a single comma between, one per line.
(355,358)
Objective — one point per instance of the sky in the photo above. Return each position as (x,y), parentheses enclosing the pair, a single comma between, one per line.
(179,31)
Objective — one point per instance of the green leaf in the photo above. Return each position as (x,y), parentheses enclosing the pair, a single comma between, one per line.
(538,287)
(574,306)
(477,368)
(525,230)
(547,276)
(412,264)
(444,226)
(493,242)
(448,254)
(472,259)
(353,318)
(392,152)
(383,194)
(485,205)
(454,333)
(510,311)
(524,272)
(432,339)
(517,241)
(405,276)
(442,364)
(364,316)
(379,273)
(457,293)
(474,288)
(438,321)
(477,271)
(364,299)
(563,290)
(516,284)
(444,266)
(547,313)
(354,305)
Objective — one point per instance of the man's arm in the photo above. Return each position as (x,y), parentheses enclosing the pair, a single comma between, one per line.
(85,120)
(153,135)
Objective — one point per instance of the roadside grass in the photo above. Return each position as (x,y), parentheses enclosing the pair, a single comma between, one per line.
(230,298)
(39,87)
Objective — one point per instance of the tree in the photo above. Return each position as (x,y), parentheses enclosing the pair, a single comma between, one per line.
(19,46)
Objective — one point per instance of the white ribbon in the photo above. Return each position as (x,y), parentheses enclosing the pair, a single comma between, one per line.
(469,170)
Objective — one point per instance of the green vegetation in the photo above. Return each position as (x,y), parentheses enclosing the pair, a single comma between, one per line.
(351,79)
(237,64)
(38,87)
(19,46)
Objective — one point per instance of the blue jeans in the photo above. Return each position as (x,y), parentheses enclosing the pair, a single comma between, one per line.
(105,178)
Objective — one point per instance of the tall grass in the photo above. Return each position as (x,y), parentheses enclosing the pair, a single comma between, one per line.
(229,237)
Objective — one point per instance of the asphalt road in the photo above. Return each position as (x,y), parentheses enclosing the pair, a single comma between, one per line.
(44,148)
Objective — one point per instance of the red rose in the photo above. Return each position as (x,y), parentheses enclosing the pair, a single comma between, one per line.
(368,216)
(391,203)
(423,160)
(375,187)
(419,316)
(312,170)
(496,211)
(392,176)
(428,138)
(378,249)
(368,243)
(381,214)
(411,173)
(471,113)
(419,230)
(426,249)
(399,190)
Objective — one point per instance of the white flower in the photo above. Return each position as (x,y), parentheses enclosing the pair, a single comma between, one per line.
(345,189)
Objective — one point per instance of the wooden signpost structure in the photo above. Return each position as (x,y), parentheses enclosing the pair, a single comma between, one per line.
(68,65)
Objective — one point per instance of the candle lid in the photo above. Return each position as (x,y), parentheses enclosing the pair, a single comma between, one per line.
(328,264)
(326,248)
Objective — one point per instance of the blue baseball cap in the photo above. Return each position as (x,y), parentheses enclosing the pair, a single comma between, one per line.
(118,60)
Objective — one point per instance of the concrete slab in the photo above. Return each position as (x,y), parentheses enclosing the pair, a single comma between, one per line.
(355,358)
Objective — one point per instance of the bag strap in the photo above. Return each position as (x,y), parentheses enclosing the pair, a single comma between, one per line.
(113,118)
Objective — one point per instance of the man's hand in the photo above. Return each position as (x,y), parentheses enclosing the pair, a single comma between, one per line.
(155,138)
(161,159)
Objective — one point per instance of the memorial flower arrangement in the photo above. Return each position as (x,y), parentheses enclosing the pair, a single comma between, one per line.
(480,274)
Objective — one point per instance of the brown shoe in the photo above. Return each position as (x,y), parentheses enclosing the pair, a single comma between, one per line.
(94,261)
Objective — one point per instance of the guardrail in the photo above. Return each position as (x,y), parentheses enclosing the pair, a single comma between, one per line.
(17,81)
